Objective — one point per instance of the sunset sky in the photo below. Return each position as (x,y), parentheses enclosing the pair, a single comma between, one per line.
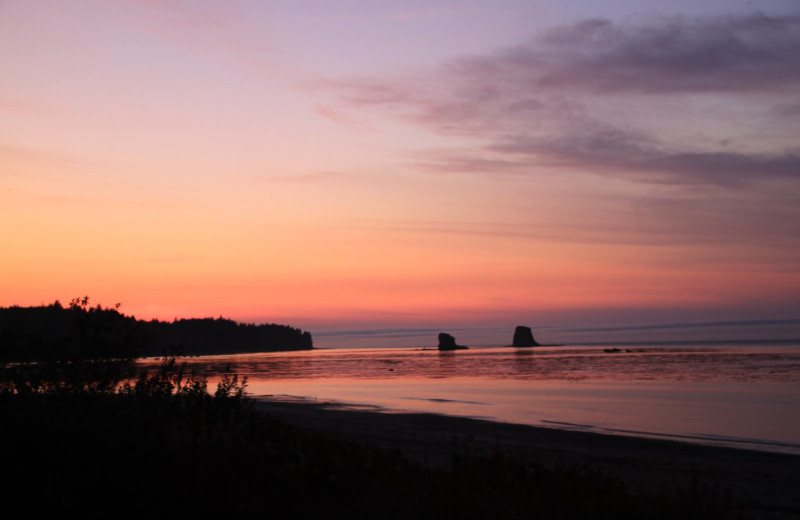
(366,164)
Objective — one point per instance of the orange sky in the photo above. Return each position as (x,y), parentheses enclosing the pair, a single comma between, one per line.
(385,163)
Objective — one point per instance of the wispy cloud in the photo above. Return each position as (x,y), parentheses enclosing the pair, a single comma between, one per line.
(27,160)
(585,97)
(314,177)
(751,231)
(787,110)
(226,32)
(665,55)
(22,107)
(687,325)
(373,13)
(619,152)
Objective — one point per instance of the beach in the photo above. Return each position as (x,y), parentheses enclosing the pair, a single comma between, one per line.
(736,396)
(691,424)
(755,484)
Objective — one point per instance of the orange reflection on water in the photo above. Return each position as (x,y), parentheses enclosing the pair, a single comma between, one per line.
(756,416)
(741,396)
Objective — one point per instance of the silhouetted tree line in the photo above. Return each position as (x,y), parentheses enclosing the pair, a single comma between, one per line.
(67,349)
(221,336)
(81,332)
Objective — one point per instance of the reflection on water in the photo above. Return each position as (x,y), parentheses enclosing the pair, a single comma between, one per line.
(740,396)
(697,364)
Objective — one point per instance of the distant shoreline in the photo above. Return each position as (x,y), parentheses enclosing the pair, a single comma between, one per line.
(34,333)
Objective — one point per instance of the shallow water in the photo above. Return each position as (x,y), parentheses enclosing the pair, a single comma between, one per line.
(745,396)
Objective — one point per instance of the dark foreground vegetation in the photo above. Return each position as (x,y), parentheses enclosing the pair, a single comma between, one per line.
(90,436)
(164,445)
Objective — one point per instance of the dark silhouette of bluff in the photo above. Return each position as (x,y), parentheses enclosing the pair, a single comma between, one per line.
(42,332)
(448,342)
(523,337)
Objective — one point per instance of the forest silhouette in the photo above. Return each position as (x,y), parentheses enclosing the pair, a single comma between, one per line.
(82,331)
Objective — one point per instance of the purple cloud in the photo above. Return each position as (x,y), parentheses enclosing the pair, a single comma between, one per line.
(668,55)
(611,150)
(787,110)
(582,97)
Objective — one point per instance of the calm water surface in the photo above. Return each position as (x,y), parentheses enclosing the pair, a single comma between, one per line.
(746,396)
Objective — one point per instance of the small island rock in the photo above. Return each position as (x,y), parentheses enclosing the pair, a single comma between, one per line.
(448,342)
(523,337)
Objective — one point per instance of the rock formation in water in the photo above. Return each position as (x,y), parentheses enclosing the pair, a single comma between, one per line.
(523,337)
(448,342)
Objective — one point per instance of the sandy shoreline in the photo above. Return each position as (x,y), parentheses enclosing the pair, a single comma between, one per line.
(760,484)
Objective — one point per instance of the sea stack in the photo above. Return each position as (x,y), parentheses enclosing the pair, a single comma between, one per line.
(523,337)
(448,342)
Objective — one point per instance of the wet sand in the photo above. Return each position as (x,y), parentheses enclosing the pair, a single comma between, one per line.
(758,484)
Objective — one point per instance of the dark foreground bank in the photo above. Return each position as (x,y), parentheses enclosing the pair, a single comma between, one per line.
(158,450)
(728,482)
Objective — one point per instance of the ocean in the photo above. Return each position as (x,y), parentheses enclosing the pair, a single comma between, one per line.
(744,395)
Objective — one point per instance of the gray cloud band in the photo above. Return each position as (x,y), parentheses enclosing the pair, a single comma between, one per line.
(551,102)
